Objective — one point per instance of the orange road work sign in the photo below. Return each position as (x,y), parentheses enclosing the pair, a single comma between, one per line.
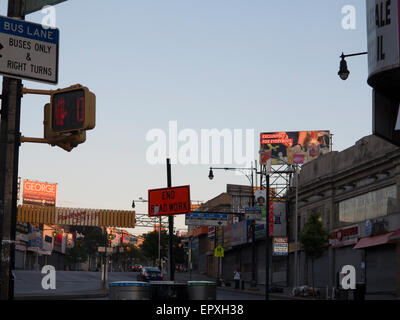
(169,201)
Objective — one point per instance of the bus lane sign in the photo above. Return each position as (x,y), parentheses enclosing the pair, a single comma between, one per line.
(28,50)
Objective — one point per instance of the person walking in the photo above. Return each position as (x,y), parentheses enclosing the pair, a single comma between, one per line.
(236,277)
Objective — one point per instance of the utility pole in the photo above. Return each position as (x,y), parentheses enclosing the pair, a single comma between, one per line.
(9,156)
(267,251)
(171,270)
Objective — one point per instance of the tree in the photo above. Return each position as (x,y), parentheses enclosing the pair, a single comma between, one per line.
(313,239)
(150,247)
(77,254)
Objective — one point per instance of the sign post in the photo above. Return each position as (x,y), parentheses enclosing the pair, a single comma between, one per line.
(9,156)
(169,201)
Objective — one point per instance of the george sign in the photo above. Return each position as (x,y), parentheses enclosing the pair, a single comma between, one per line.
(39,193)
(383,25)
(169,201)
(293,147)
(28,50)
(219,252)
(280,246)
(206,219)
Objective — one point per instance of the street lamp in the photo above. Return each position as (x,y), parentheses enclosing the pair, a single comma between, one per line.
(211,176)
(159,231)
(343,70)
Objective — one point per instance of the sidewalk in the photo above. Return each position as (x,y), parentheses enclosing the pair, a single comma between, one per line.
(285,295)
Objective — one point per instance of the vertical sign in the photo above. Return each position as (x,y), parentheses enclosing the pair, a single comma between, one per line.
(383,37)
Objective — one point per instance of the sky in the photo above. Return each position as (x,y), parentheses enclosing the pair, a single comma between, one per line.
(225,64)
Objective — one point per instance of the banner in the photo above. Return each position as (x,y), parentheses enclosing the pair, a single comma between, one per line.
(39,193)
(293,147)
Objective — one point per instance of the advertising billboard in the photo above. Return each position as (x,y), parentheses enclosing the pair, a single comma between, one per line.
(39,193)
(293,147)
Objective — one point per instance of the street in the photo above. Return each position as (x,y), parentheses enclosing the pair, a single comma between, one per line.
(28,283)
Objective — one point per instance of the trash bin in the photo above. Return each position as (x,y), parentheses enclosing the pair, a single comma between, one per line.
(202,290)
(359,292)
(129,290)
(168,291)
(342,294)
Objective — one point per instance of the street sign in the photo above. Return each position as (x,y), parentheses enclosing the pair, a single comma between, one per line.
(28,50)
(253,213)
(206,219)
(169,201)
(385,117)
(383,27)
(219,252)
(36,5)
(280,246)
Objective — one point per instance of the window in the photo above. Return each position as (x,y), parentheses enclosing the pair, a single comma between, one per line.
(370,205)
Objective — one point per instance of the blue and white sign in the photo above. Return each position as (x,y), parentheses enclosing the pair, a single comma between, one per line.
(206,219)
(368,228)
(28,50)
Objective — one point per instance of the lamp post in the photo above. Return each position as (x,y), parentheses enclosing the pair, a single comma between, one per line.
(159,231)
(251,179)
(343,71)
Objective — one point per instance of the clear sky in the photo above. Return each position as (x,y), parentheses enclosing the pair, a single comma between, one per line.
(236,64)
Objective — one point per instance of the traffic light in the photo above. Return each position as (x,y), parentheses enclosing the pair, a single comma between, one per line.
(54,234)
(66,141)
(72,109)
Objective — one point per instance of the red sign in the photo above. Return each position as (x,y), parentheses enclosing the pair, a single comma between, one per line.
(39,193)
(169,201)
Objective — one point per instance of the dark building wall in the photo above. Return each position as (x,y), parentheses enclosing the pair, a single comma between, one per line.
(381,268)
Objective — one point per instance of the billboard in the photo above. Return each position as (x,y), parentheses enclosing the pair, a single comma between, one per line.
(39,193)
(293,147)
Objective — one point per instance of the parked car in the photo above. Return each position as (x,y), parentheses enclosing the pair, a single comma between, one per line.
(150,273)
(305,291)
(136,267)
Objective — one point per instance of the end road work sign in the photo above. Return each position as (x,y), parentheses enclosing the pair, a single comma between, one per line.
(169,201)
(28,50)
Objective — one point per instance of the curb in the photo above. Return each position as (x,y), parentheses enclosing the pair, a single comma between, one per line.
(63,296)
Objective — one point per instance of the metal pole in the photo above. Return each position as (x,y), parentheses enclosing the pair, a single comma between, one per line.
(9,156)
(159,245)
(267,251)
(253,236)
(171,229)
(296,227)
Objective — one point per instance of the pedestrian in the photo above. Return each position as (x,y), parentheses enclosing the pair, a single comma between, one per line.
(236,277)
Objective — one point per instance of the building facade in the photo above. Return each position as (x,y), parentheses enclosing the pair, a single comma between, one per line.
(356,193)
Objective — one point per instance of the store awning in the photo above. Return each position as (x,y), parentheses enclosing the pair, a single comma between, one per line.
(395,235)
(374,241)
